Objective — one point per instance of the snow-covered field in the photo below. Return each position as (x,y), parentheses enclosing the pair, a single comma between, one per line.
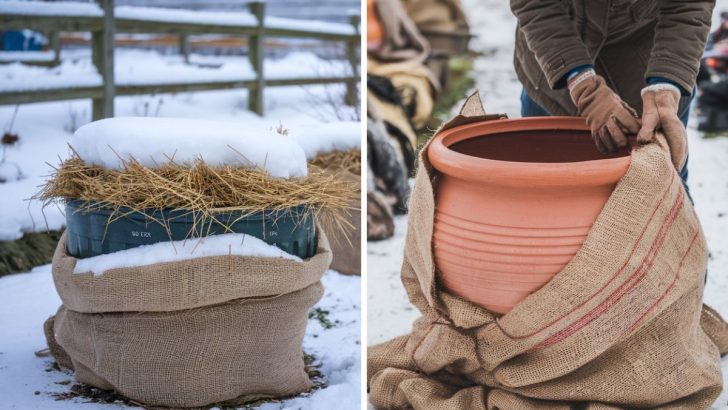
(316,121)
(388,310)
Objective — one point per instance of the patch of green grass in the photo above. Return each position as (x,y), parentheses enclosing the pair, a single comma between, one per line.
(33,249)
(322,315)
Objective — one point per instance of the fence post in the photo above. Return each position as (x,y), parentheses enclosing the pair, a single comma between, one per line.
(184,47)
(54,43)
(255,54)
(353,55)
(102,54)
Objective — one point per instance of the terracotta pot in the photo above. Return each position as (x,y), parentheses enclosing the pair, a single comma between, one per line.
(515,200)
(375,33)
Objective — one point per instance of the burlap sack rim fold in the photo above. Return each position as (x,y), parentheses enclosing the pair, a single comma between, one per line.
(186,284)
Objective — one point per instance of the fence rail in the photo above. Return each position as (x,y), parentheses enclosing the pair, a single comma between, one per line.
(103,21)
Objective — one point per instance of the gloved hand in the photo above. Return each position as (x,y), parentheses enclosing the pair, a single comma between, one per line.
(660,102)
(609,118)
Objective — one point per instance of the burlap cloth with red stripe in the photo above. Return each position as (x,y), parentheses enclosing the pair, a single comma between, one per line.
(621,326)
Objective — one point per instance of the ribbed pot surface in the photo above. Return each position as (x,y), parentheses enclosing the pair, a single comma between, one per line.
(515,200)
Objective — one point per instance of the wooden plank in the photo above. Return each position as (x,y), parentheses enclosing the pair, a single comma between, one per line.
(102,55)
(307,81)
(44,95)
(296,33)
(255,55)
(61,94)
(143,89)
(124,25)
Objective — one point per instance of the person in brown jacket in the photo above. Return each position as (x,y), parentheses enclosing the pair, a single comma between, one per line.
(613,61)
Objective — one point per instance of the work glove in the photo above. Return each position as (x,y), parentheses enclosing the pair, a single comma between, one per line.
(660,105)
(609,118)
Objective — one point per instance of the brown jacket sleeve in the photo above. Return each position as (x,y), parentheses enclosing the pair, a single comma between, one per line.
(680,35)
(550,34)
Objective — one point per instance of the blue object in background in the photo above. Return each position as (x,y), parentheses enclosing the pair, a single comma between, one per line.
(22,40)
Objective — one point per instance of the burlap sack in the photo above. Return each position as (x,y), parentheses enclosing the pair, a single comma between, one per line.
(445,16)
(618,327)
(189,333)
(402,41)
(346,244)
(416,85)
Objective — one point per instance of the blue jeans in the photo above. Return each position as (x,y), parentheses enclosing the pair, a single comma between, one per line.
(530,108)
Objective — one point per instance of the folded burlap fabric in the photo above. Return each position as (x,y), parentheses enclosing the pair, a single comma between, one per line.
(219,329)
(621,326)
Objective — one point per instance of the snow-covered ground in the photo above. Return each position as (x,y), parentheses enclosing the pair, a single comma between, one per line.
(27,299)
(388,310)
(313,115)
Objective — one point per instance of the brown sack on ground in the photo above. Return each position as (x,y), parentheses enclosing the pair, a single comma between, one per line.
(188,333)
(618,327)
(402,41)
(346,244)
(444,16)
(415,84)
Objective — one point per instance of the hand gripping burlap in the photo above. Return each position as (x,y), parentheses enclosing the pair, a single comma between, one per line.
(618,327)
(220,329)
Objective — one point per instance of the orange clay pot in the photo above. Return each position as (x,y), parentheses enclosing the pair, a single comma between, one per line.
(514,202)
(375,33)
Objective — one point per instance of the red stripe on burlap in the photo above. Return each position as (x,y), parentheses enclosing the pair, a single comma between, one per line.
(628,285)
(607,283)
(668,289)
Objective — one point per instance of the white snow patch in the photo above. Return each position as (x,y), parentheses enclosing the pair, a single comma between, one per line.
(17,77)
(235,244)
(38,8)
(27,56)
(185,16)
(309,25)
(325,138)
(155,141)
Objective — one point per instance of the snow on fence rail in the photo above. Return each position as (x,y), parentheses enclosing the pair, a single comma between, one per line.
(103,20)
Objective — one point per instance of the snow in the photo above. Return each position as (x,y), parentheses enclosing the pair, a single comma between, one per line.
(172,251)
(309,25)
(155,141)
(335,136)
(37,8)
(17,77)
(27,56)
(389,312)
(172,15)
(28,299)
(185,16)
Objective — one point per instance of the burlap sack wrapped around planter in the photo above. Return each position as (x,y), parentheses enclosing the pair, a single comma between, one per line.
(188,333)
(346,244)
(621,326)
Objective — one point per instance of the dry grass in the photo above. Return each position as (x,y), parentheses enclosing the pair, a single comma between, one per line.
(202,190)
(340,160)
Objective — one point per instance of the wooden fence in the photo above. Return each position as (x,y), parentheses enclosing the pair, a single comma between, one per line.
(104,25)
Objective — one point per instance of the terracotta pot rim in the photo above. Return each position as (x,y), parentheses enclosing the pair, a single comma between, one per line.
(521,174)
